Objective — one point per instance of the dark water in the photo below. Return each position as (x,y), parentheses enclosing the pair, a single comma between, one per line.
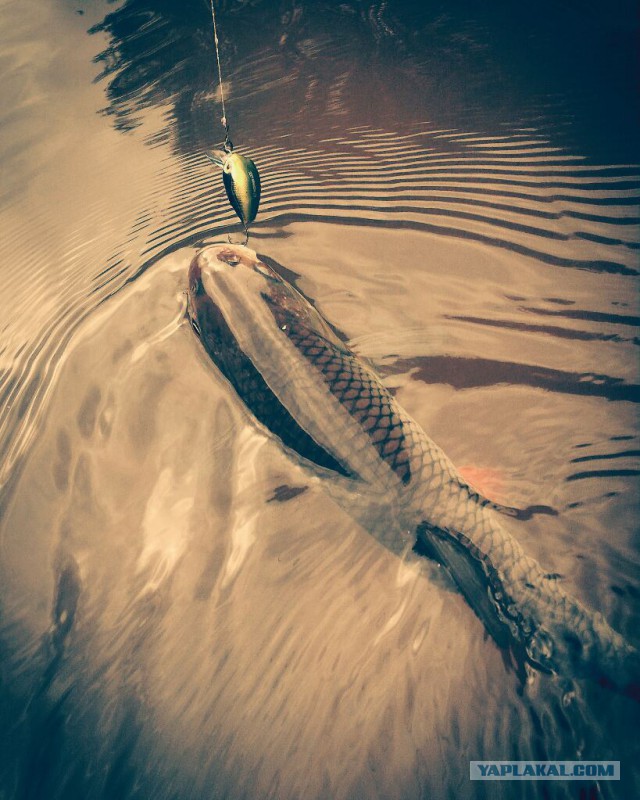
(456,187)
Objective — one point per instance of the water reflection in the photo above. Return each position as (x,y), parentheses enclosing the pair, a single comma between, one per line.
(399,62)
(182,614)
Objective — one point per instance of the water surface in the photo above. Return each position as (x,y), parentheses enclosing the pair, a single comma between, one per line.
(183,612)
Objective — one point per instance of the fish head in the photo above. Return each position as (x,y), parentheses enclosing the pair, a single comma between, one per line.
(219,294)
(250,320)
(253,325)
(252,302)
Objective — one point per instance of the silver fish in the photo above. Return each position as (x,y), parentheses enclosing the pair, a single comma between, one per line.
(306,386)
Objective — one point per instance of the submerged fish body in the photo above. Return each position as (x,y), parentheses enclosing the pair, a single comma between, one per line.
(241,182)
(305,385)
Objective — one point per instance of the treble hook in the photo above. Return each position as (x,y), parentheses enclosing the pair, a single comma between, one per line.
(246,237)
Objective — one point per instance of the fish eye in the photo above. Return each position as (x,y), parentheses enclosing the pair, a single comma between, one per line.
(229,257)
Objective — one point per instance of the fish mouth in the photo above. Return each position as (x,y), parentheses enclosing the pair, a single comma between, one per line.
(217,258)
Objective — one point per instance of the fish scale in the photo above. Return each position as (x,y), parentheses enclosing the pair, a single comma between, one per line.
(393,478)
(248,382)
(359,394)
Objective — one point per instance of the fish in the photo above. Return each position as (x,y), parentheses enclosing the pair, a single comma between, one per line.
(241,181)
(330,411)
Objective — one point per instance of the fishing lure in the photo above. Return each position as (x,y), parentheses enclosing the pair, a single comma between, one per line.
(240,174)
(241,181)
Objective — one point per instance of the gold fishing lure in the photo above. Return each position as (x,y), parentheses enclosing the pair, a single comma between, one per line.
(241,181)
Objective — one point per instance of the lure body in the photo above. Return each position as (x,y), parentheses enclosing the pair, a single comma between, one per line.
(241,181)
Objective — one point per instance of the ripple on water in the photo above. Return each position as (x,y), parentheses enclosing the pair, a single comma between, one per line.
(187,593)
(512,191)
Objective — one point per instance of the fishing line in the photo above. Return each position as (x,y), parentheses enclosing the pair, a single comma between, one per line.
(239,174)
(228,144)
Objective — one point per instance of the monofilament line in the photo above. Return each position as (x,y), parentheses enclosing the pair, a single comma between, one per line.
(215,40)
